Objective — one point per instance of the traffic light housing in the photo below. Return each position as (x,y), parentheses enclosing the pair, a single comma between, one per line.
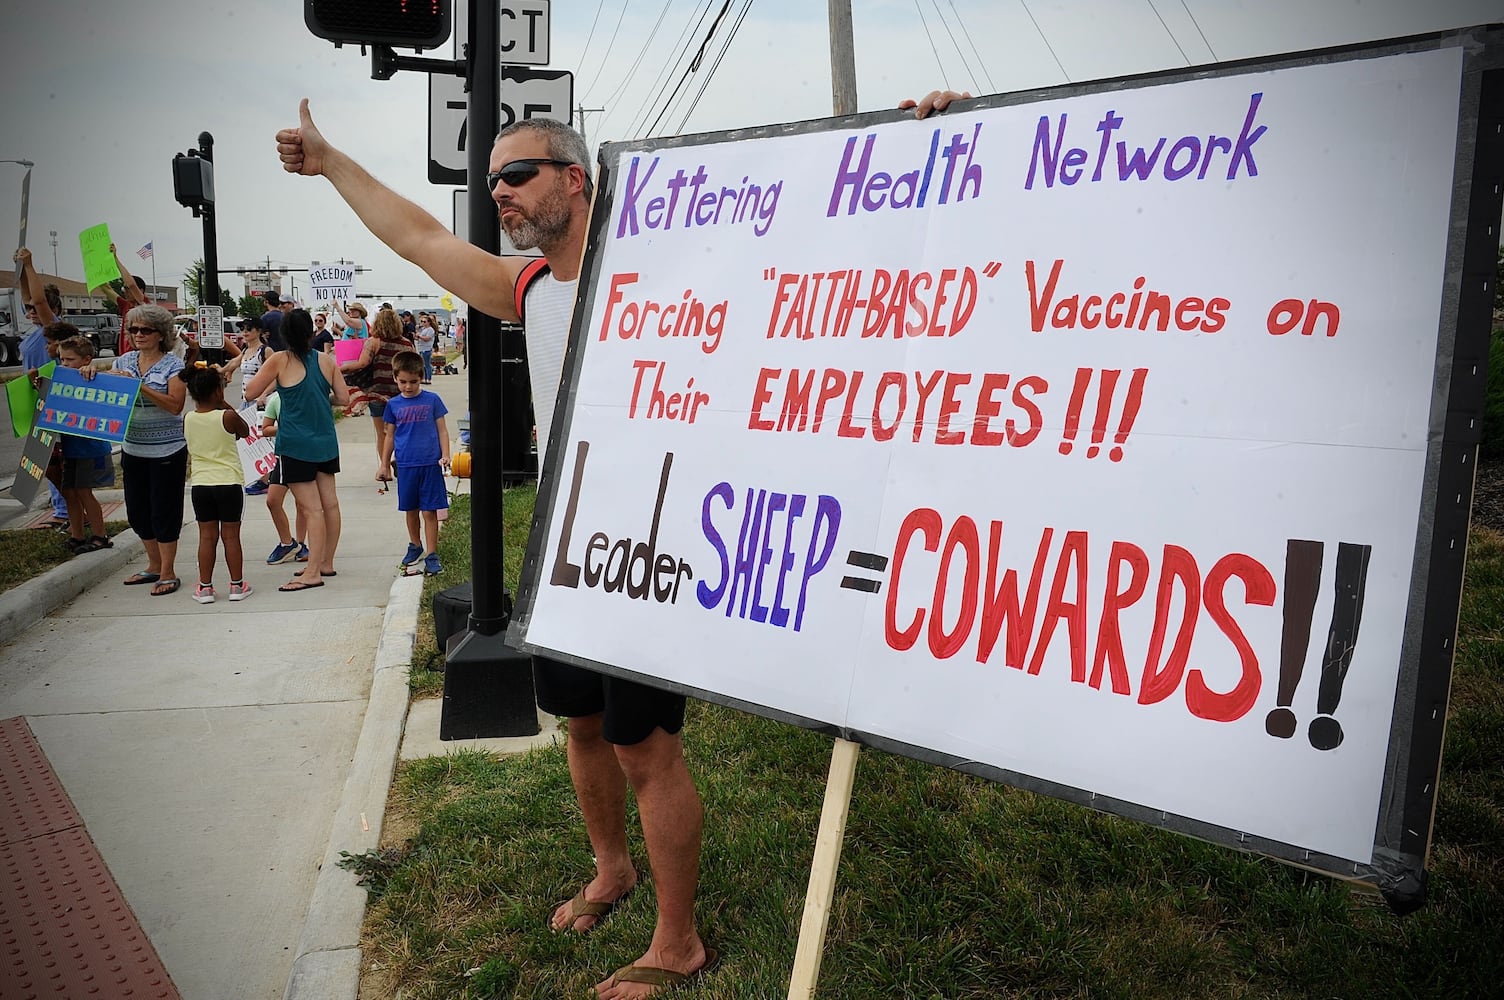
(417,24)
(193,182)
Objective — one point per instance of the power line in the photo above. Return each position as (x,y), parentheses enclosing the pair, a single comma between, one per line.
(943,78)
(1200,32)
(693,65)
(1046,41)
(964,61)
(660,82)
(612,42)
(591,36)
(1165,26)
(990,85)
(644,50)
(708,76)
(705,78)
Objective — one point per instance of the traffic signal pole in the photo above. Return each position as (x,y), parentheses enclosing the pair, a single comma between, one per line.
(488,686)
(488,615)
(209,285)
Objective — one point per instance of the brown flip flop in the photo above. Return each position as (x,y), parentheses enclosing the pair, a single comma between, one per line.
(651,975)
(579,907)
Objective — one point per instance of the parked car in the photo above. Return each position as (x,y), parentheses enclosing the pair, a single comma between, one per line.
(103,328)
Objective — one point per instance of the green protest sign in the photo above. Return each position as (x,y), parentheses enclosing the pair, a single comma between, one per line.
(99,262)
(36,454)
(21,399)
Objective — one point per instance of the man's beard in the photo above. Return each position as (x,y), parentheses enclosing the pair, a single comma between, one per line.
(546,227)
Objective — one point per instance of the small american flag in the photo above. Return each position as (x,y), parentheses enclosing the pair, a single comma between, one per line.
(145,252)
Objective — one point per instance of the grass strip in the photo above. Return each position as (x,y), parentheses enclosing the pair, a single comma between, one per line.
(949,887)
(29,552)
(427,677)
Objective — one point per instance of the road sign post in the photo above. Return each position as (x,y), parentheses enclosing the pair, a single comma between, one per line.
(211,328)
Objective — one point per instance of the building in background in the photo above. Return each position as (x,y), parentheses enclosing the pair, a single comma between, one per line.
(258,283)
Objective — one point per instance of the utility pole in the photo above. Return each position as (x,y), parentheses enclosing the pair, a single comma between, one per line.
(842,59)
(583,110)
(53,234)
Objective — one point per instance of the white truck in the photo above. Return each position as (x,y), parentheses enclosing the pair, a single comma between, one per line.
(13,326)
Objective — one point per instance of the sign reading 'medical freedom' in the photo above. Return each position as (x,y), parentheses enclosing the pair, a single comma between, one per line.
(1079,441)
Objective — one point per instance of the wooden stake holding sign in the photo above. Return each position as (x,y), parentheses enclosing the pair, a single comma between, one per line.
(822,870)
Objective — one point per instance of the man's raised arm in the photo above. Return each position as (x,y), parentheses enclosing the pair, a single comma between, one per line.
(470,273)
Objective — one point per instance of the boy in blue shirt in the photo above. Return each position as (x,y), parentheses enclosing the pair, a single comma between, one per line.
(419,440)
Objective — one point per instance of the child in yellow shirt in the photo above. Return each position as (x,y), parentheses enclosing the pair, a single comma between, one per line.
(212,429)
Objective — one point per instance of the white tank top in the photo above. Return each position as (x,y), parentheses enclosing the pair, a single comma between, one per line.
(550,303)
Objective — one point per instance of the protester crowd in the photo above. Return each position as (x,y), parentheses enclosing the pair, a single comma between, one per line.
(191,411)
(621,734)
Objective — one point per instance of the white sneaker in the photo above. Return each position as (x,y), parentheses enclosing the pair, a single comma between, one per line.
(203,593)
(239,591)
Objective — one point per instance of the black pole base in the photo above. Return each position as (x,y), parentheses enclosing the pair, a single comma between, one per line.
(451,611)
(488,689)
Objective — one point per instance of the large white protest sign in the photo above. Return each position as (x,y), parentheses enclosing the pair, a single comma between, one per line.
(331,282)
(1095,440)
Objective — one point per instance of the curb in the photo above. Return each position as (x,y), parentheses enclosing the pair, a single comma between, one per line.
(23,606)
(327,966)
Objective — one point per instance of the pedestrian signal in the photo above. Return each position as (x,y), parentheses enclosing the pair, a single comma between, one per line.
(417,24)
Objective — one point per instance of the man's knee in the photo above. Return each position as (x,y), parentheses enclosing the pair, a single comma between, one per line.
(659,754)
(587,728)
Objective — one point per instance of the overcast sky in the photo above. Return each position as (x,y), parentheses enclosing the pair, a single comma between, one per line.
(101,95)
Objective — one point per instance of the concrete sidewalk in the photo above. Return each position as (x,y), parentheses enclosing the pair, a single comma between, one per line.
(221,755)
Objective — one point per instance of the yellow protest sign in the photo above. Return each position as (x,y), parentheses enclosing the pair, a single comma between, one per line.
(447,302)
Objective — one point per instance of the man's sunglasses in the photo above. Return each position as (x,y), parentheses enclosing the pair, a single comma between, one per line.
(519,172)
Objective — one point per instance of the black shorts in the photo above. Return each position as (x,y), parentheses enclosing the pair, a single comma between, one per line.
(79,473)
(274,477)
(218,503)
(632,710)
(295,470)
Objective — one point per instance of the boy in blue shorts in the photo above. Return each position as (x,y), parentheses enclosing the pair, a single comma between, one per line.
(420,443)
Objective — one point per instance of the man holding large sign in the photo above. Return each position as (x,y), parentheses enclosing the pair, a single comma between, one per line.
(1077,441)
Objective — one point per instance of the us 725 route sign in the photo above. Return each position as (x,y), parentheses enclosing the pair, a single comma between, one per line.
(525,93)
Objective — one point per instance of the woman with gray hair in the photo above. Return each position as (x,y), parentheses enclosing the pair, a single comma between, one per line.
(154,457)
